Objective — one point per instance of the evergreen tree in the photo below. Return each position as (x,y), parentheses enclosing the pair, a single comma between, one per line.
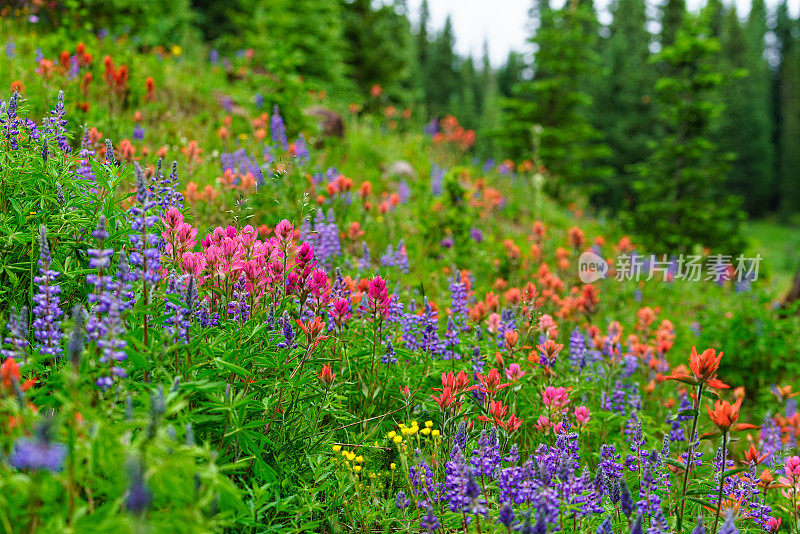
(441,76)
(510,74)
(745,128)
(715,14)
(787,111)
(422,35)
(547,117)
(304,36)
(680,200)
(671,19)
(623,110)
(380,47)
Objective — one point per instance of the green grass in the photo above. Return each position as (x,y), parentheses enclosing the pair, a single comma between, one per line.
(779,245)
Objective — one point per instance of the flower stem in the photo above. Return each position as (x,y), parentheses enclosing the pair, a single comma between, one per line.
(721,481)
(690,455)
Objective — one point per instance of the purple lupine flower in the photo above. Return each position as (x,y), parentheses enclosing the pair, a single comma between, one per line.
(213,56)
(437,180)
(39,452)
(144,255)
(431,127)
(227,103)
(430,342)
(111,161)
(55,124)
(329,238)
(458,299)
(658,524)
(403,192)
(486,456)
(289,336)
(278,128)
(605,527)
(770,441)
(11,122)
(238,305)
(447,242)
(46,311)
(11,48)
(138,498)
(123,285)
(451,341)
(429,522)
(33,130)
(339,289)
(138,132)
(100,257)
(488,165)
(637,526)
(74,67)
(16,338)
(364,261)
(167,194)
(577,349)
(396,257)
(390,356)
(610,462)
(258,100)
(301,150)
(506,516)
(85,166)
(178,308)
(625,498)
(791,407)
(108,333)
(401,501)
(699,529)
(476,234)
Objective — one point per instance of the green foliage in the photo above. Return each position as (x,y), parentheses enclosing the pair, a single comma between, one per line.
(379,47)
(752,338)
(554,102)
(678,203)
(153,22)
(36,192)
(672,18)
(744,129)
(623,108)
(788,102)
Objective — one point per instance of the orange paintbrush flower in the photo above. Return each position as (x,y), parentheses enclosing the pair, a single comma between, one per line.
(752,456)
(725,414)
(704,366)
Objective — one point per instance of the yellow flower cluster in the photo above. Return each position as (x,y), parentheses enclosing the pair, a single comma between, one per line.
(411,430)
(353,462)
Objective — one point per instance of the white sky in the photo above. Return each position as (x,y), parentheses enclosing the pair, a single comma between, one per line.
(503,22)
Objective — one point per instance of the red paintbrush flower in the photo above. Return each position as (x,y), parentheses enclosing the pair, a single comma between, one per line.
(725,414)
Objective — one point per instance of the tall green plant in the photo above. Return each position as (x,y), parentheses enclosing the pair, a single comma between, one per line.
(680,202)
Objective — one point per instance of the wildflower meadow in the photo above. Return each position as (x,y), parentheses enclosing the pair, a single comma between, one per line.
(233,299)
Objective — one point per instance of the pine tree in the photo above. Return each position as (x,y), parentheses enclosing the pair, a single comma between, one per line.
(547,117)
(304,35)
(745,128)
(680,199)
(422,35)
(441,78)
(510,74)
(787,111)
(671,19)
(380,47)
(623,110)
